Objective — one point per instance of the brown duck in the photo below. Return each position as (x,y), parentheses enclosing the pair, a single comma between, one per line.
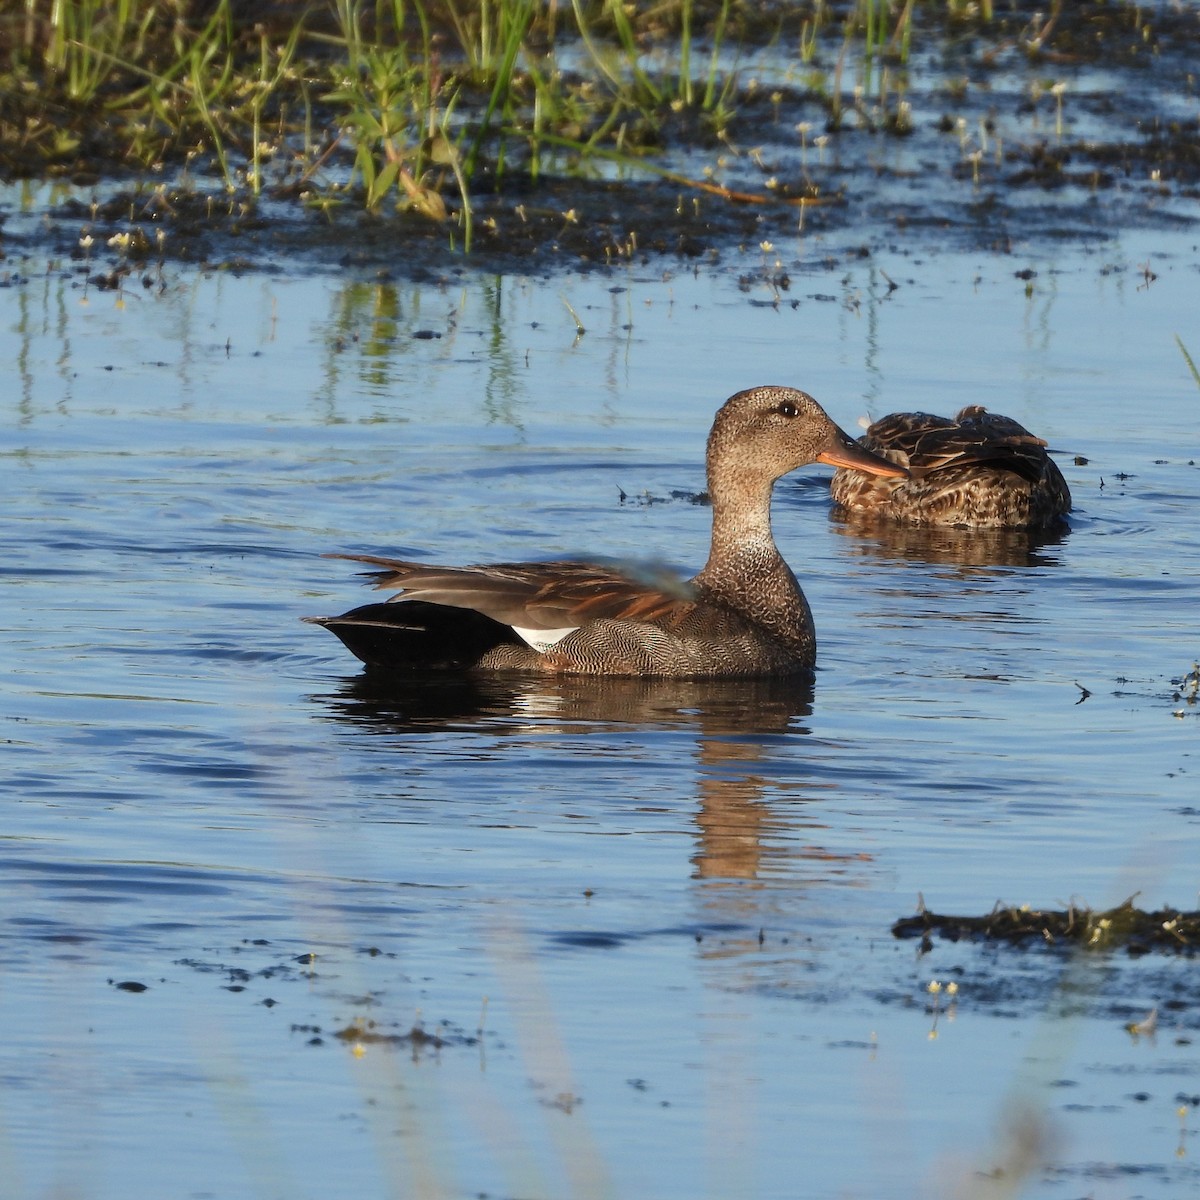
(979,470)
(744,615)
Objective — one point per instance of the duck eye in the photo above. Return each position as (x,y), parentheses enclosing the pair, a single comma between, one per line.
(787,409)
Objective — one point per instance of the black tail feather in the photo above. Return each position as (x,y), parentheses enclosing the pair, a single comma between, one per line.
(412,634)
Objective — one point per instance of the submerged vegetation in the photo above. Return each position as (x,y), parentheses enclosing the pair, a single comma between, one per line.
(426,106)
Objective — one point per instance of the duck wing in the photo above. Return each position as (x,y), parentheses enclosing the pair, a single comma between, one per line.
(546,599)
(926,443)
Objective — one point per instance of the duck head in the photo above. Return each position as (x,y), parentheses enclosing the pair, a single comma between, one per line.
(761,434)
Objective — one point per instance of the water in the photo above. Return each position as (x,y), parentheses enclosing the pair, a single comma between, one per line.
(676,898)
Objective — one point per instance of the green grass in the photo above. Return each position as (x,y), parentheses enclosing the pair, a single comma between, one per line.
(417,105)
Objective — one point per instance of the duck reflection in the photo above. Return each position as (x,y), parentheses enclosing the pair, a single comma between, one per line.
(738,729)
(950,545)
(406,700)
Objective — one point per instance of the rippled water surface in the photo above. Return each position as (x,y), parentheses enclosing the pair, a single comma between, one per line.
(649,923)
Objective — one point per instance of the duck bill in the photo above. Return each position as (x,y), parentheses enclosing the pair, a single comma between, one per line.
(841,451)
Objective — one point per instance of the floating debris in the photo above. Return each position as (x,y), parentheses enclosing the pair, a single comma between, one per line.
(1138,931)
(416,1037)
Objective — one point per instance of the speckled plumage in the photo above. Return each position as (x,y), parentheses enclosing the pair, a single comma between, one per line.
(743,615)
(979,470)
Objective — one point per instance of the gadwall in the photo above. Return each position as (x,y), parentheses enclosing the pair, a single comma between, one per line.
(980,470)
(744,615)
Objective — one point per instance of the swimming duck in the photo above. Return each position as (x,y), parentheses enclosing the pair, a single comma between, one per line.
(979,470)
(743,615)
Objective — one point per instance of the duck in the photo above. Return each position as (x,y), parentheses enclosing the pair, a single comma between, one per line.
(743,616)
(977,470)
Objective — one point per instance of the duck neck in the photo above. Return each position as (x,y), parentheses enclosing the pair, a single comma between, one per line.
(746,572)
(741,530)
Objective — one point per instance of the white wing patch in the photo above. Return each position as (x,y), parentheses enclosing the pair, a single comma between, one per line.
(543,639)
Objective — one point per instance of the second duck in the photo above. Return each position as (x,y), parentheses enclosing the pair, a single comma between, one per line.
(978,471)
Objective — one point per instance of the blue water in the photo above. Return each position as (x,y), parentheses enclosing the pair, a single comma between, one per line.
(676,899)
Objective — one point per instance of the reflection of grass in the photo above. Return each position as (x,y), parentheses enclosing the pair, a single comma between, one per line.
(1187,358)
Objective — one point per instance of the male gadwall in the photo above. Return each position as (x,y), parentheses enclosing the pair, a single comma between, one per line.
(744,615)
(981,471)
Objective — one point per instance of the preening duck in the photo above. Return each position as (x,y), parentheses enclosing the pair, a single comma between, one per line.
(979,470)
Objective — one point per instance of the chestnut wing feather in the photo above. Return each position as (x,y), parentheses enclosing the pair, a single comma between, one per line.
(550,595)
